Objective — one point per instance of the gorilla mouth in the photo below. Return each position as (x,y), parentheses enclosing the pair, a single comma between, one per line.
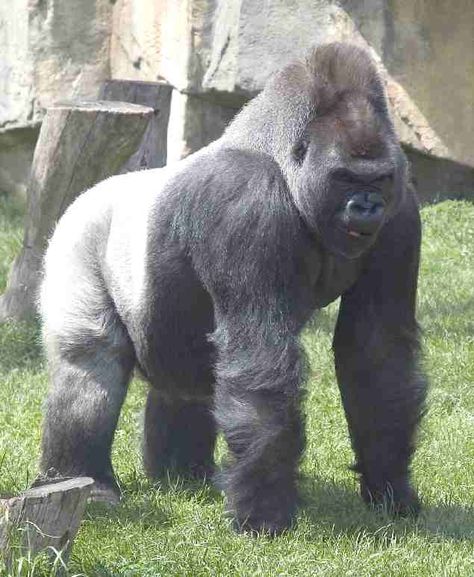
(348,242)
(362,216)
(357,234)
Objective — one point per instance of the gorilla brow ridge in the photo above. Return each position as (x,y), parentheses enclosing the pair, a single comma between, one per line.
(337,69)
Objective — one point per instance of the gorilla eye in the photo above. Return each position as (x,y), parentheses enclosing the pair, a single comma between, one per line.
(299,150)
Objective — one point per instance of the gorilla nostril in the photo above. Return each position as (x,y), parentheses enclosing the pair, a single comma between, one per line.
(365,205)
(363,213)
(377,209)
(357,207)
(374,198)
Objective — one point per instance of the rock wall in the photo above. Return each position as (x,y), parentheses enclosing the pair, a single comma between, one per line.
(218,53)
(50,50)
(426,45)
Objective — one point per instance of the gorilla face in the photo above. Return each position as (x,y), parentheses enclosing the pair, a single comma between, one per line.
(325,122)
(347,174)
(364,201)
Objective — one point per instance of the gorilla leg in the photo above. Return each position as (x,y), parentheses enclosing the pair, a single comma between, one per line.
(257,407)
(90,374)
(179,436)
(376,346)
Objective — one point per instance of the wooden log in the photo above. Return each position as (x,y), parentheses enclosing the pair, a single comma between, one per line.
(152,152)
(79,144)
(45,518)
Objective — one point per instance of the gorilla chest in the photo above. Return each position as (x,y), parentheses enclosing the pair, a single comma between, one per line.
(337,275)
(170,336)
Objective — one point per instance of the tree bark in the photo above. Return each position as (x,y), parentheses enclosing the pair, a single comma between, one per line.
(44,517)
(79,145)
(152,152)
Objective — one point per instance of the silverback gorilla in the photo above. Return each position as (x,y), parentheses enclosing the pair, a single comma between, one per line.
(202,274)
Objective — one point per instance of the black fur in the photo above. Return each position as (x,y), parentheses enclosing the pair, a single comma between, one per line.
(179,437)
(244,241)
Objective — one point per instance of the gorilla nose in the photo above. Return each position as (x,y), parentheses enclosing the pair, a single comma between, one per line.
(364,213)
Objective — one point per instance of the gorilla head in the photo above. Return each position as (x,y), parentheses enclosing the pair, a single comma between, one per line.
(203,274)
(326,123)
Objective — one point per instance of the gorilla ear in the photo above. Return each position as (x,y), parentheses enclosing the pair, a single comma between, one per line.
(299,150)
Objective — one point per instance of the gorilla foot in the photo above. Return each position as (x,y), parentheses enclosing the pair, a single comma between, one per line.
(193,471)
(199,471)
(265,512)
(398,500)
(261,525)
(105,493)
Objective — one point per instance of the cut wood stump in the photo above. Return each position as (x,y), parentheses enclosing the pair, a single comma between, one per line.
(79,145)
(157,95)
(45,518)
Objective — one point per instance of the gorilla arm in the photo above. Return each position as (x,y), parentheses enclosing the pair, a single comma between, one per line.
(253,255)
(376,348)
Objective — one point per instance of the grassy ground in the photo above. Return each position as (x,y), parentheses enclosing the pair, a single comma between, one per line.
(176,529)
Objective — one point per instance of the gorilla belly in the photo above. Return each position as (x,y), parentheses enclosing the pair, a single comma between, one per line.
(171,345)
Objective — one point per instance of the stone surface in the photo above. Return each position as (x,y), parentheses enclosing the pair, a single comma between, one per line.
(427,47)
(49,51)
(437,179)
(153,40)
(222,52)
(16,154)
(194,123)
(250,42)
(225,51)
(16,103)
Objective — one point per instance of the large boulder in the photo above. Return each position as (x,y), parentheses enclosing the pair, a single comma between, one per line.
(223,52)
(218,54)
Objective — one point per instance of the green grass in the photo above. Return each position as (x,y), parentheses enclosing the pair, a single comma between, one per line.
(11,235)
(177,529)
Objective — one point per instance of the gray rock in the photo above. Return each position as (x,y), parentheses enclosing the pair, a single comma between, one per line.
(219,53)
(49,51)
(194,123)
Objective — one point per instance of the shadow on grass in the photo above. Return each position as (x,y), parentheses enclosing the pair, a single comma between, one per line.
(331,510)
(172,483)
(145,513)
(150,502)
(20,346)
(337,510)
(100,570)
(433,317)
(324,320)
(146,505)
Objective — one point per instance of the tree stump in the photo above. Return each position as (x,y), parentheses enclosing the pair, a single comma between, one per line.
(79,145)
(44,517)
(152,152)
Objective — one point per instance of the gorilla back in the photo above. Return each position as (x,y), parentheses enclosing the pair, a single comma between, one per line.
(203,274)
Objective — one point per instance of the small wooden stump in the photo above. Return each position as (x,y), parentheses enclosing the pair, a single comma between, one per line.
(79,145)
(43,517)
(157,95)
